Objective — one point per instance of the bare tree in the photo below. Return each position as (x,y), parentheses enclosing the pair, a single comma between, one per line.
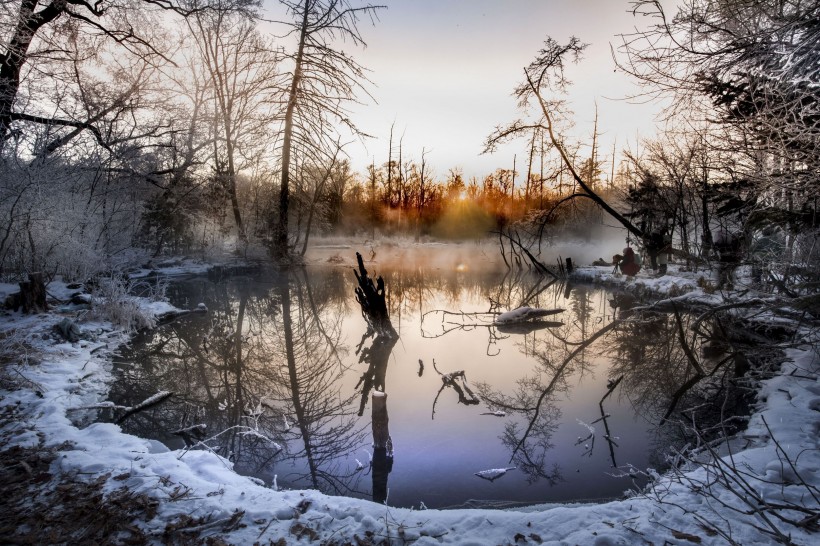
(323,81)
(34,37)
(242,71)
(546,75)
(747,70)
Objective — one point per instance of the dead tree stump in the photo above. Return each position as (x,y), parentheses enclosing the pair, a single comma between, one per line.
(33,294)
(371,297)
(380,420)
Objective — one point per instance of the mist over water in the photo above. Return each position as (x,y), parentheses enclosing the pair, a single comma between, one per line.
(483,254)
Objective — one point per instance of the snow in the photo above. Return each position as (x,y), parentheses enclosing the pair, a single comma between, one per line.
(522,314)
(65,376)
(493,473)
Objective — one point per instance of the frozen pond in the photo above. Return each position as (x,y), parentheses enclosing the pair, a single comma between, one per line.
(269,378)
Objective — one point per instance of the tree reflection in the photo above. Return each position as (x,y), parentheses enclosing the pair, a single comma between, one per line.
(536,400)
(262,373)
(685,372)
(326,426)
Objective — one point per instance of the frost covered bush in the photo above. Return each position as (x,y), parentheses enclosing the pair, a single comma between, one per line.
(64,218)
(114,300)
(15,353)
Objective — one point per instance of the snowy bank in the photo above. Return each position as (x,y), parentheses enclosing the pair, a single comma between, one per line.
(740,496)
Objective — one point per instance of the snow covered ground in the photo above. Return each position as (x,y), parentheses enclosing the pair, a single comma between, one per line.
(744,496)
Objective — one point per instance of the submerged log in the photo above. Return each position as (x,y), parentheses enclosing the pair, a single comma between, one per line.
(527,327)
(524,314)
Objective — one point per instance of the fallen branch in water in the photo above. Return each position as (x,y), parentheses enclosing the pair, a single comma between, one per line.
(149,402)
(465,395)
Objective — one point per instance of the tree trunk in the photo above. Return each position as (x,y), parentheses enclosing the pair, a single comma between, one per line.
(12,60)
(33,294)
(280,242)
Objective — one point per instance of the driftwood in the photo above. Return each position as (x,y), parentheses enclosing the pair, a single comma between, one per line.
(524,314)
(192,434)
(494,473)
(149,402)
(465,395)
(171,316)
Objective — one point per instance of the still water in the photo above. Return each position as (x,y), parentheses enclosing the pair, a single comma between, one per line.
(273,378)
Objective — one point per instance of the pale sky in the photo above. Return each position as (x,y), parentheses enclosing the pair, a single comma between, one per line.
(444,71)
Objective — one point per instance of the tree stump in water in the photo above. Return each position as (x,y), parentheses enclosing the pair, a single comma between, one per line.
(382,447)
(33,294)
(371,297)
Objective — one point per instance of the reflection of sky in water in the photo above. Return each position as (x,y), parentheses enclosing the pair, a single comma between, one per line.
(436,459)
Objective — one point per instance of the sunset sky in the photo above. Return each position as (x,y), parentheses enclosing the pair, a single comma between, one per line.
(444,71)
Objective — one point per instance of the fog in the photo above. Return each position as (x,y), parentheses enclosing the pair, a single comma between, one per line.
(403,252)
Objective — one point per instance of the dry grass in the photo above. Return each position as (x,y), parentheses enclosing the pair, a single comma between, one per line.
(44,508)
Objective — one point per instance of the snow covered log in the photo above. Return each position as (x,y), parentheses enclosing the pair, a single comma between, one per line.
(171,316)
(149,402)
(524,314)
(493,473)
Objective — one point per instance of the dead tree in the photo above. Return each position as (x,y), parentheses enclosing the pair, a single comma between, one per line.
(371,297)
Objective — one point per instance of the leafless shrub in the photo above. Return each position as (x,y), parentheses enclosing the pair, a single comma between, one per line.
(117,299)
(774,503)
(16,352)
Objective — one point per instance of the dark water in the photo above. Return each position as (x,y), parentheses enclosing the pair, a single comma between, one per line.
(272,372)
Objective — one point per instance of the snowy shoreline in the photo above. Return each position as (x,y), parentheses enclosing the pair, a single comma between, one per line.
(200,496)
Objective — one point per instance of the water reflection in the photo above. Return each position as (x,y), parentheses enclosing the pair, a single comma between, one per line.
(277,378)
(262,373)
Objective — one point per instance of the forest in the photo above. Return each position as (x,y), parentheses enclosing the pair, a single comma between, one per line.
(161,128)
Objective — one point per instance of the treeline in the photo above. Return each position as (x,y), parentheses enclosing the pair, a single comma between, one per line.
(411,201)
